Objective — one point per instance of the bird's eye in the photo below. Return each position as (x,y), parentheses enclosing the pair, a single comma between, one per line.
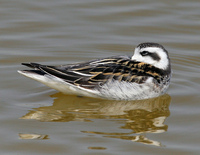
(144,53)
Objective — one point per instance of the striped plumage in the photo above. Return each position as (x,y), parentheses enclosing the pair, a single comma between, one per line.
(119,77)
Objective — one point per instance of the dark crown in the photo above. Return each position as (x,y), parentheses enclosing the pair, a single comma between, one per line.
(148,44)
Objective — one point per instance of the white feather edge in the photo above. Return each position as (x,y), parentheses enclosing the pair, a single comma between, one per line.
(59,84)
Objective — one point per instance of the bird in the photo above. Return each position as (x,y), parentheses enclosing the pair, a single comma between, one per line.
(144,75)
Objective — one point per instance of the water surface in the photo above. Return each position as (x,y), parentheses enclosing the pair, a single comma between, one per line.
(38,120)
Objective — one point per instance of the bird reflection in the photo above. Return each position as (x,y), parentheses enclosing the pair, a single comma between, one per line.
(32,136)
(141,117)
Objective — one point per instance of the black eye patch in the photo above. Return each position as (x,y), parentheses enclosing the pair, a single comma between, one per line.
(153,55)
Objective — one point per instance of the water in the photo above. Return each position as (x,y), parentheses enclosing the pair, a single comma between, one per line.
(38,120)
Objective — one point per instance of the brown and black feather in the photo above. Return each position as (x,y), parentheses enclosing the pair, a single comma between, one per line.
(97,72)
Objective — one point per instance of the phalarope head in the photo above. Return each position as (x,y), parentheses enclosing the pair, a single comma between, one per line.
(152,53)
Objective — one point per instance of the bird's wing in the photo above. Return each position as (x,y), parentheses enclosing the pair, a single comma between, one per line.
(97,72)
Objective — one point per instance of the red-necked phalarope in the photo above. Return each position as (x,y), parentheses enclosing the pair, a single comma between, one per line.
(144,75)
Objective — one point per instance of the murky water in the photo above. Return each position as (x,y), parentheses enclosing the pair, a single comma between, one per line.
(38,120)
